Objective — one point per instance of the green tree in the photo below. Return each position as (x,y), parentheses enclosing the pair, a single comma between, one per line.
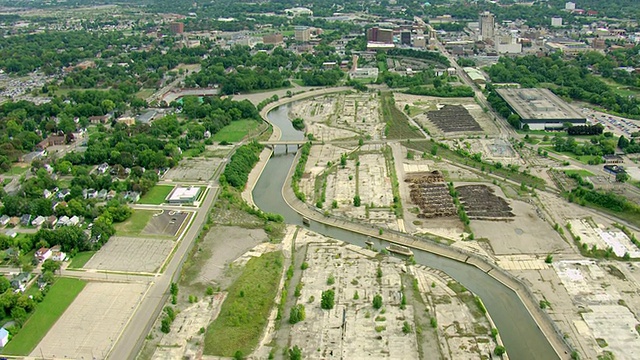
(297,314)
(377,301)
(499,350)
(295,353)
(622,177)
(50,265)
(328,299)
(356,201)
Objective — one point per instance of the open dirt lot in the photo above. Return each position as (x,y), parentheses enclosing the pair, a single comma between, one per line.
(496,150)
(92,323)
(462,331)
(527,233)
(131,255)
(193,169)
(339,116)
(166,223)
(593,303)
(598,235)
(357,338)
(419,106)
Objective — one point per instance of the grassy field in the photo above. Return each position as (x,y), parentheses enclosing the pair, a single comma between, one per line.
(245,311)
(398,126)
(581,158)
(156,195)
(135,224)
(60,296)
(582,173)
(236,131)
(144,93)
(17,170)
(80,259)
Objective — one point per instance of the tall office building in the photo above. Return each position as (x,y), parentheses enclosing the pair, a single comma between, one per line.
(176,27)
(275,39)
(405,38)
(487,25)
(302,33)
(375,34)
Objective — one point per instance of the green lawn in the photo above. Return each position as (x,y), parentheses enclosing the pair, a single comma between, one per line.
(156,195)
(144,93)
(236,131)
(59,297)
(246,309)
(581,158)
(80,259)
(17,170)
(397,123)
(580,172)
(134,225)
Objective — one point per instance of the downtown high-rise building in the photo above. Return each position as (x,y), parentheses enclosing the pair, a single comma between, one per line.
(487,25)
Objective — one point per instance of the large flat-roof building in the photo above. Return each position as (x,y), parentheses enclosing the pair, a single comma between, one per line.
(183,195)
(540,108)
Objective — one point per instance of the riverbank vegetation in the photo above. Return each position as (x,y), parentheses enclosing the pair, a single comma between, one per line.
(242,162)
(245,311)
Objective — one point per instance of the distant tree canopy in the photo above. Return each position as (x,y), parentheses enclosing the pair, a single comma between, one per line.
(565,78)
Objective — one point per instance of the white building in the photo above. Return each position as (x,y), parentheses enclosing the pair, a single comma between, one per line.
(570,6)
(183,195)
(298,11)
(556,21)
(363,73)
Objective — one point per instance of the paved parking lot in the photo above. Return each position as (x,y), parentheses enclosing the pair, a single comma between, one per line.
(92,323)
(131,254)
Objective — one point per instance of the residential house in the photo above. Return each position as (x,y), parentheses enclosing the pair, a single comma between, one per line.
(99,119)
(38,221)
(111,194)
(102,168)
(4,337)
(52,220)
(102,194)
(89,193)
(57,254)
(49,168)
(51,141)
(14,221)
(46,193)
(25,220)
(4,220)
(11,253)
(20,281)
(63,220)
(132,196)
(63,193)
(56,204)
(74,221)
(11,233)
(43,254)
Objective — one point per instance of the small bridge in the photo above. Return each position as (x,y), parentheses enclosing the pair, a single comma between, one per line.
(286,143)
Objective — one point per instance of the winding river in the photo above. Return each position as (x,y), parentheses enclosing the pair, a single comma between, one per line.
(520,333)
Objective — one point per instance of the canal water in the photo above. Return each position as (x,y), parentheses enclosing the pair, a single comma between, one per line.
(520,334)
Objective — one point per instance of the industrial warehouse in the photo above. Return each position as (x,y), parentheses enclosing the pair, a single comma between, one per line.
(540,108)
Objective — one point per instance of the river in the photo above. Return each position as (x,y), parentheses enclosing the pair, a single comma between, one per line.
(520,334)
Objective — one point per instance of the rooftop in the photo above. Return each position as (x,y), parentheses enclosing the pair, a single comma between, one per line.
(538,104)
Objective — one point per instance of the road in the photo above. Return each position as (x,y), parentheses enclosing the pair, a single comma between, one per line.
(131,339)
(506,131)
